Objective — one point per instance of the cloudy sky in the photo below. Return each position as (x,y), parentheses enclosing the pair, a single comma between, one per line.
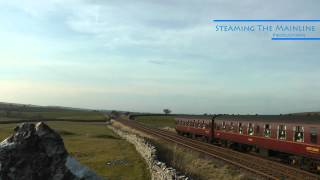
(153,54)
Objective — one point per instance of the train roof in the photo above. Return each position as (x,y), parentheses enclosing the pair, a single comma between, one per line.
(195,117)
(310,119)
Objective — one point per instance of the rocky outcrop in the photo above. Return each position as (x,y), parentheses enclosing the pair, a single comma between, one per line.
(158,170)
(36,152)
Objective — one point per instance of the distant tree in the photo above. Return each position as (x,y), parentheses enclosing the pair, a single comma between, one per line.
(115,114)
(167,111)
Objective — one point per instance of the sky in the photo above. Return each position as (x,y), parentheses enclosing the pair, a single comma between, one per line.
(149,55)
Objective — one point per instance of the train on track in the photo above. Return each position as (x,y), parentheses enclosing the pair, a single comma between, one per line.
(290,138)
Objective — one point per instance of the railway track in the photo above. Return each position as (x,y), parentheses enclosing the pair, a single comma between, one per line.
(261,167)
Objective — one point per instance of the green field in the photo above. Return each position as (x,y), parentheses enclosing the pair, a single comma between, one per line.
(157,121)
(93,144)
(75,115)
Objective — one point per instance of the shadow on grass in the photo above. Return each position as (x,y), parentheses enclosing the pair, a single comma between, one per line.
(175,158)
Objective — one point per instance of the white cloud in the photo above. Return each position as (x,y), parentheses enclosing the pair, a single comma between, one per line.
(151,49)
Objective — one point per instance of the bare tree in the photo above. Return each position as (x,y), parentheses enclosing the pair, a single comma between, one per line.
(167,111)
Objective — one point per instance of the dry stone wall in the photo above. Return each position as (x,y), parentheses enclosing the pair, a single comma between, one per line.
(158,170)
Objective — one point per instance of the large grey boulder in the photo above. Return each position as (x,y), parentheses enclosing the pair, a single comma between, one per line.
(38,153)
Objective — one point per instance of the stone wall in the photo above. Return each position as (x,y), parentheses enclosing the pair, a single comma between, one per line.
(158,170)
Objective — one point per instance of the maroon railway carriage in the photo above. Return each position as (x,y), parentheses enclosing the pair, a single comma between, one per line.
(294,138)
(290,134)
(199,127)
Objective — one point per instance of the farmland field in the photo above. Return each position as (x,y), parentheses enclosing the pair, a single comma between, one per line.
(74,115)
(157,121)
(93,144)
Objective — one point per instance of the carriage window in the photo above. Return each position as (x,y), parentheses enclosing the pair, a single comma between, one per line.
(217,126)
(194,123)
(267,130)
(240,128)
(298,135)
(250,129)
(282,133)
(313,135)
(231,126)
(257,130)
(223,125)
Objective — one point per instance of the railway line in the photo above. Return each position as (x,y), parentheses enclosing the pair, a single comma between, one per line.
(263,168)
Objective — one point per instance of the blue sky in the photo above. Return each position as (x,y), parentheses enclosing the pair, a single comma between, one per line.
(148,55)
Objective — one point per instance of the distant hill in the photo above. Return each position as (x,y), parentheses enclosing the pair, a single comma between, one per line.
(14,111)
(4,106)
(307,113)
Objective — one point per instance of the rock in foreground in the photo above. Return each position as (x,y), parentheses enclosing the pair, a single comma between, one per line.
(37,153)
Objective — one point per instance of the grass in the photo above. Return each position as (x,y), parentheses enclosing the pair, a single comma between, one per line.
(93,144)
(76,115)
(157,121)
(194,164)
(6,130)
